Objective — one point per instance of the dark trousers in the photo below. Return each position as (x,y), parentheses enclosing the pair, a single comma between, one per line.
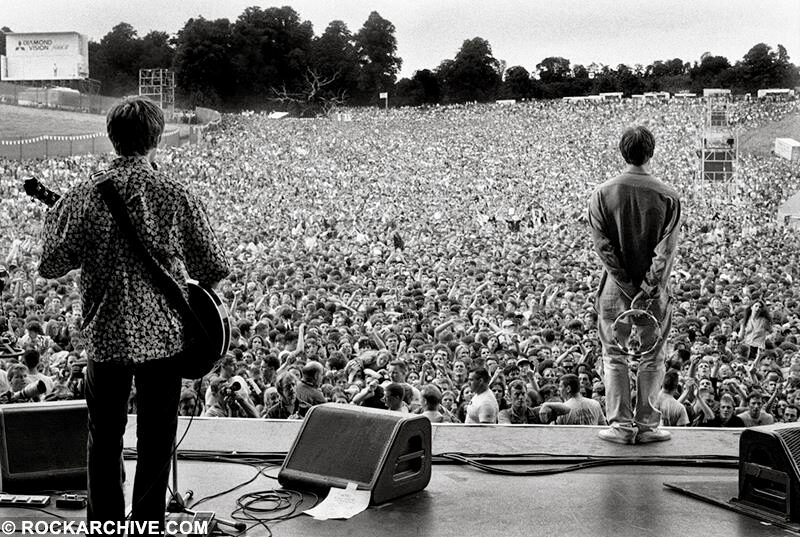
(108,387)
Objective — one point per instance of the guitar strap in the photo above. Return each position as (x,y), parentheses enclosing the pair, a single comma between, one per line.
(162,280)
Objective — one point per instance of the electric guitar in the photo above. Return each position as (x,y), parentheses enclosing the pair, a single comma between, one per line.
(204,303)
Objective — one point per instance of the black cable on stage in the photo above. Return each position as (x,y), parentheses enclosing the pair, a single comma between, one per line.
(579,461)
(259,471)
(252,506)
(554,458)
(586,462)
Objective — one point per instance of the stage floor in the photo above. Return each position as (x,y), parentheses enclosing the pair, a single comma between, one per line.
(618,501)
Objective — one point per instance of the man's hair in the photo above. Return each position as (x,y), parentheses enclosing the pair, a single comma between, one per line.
(482,373)
(134,126)
(671,381)
(394,389)
(755,394)
(285,378)
(517,384)
(727,398)
(216,384)
(272,361)
(336,360)
(401,364)
(637,145)
(572,382)
(187,394)
(312,370)
(17,369)
(432,395)
(31,358)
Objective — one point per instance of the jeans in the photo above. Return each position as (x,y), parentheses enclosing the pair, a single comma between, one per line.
(616,367)
(108,387)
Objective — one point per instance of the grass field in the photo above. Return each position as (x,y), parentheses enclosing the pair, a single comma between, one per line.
(760,141)
(22,122)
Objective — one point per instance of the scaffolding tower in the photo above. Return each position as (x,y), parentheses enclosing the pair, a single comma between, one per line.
(719,149)
(159,86)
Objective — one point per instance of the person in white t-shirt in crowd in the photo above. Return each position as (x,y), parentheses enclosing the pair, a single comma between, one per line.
(483,407)
(576,409)
(673,413)
(393,395)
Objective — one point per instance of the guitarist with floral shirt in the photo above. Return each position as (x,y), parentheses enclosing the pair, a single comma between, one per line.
(130,328)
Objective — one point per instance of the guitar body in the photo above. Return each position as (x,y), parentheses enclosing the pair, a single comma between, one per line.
(212,314)
(202,350)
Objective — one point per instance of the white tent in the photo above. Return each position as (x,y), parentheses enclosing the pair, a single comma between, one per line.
(789,212)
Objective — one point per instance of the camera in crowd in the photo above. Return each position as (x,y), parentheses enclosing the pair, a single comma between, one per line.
(230,390)
(31,392)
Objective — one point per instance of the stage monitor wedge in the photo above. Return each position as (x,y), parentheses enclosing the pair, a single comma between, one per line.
(769,470)
(43,446)
(385,452)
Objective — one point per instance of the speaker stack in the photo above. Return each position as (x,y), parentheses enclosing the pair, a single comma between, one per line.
(43,446)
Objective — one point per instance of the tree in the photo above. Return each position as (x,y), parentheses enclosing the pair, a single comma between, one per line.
(676,67)
(428,84)
(270,49)
(763,67)
(117,60)
(422,88)
(787,72)
(473,75)
(376,46)
(313,98)
(157,52)
(606,81)
(334,54)
(667,75)
(628,82)
(553,69)
(517,83)
(406,93)
(580,83)
(711,72)
(3,31)
(203,70)
(443,73)
(579,71)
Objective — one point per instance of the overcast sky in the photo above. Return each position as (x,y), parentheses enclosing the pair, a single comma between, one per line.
(521,32)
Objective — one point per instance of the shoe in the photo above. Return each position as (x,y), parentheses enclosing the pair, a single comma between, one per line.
(618,436)
(656,435)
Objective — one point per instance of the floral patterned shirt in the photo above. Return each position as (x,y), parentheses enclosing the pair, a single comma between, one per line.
(127,318)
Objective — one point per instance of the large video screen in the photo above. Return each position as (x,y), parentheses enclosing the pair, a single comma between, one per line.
(46,56)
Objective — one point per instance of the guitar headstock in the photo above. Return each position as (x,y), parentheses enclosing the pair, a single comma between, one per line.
(35,189)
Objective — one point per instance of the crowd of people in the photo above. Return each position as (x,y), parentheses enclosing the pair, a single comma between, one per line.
(421,259)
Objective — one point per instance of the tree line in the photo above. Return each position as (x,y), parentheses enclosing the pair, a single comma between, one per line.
(476,75)
(264,56)
(270,57)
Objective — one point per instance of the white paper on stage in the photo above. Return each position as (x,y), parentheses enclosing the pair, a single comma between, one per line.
(341,503)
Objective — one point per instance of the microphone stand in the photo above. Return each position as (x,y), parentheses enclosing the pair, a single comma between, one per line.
(177,503)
